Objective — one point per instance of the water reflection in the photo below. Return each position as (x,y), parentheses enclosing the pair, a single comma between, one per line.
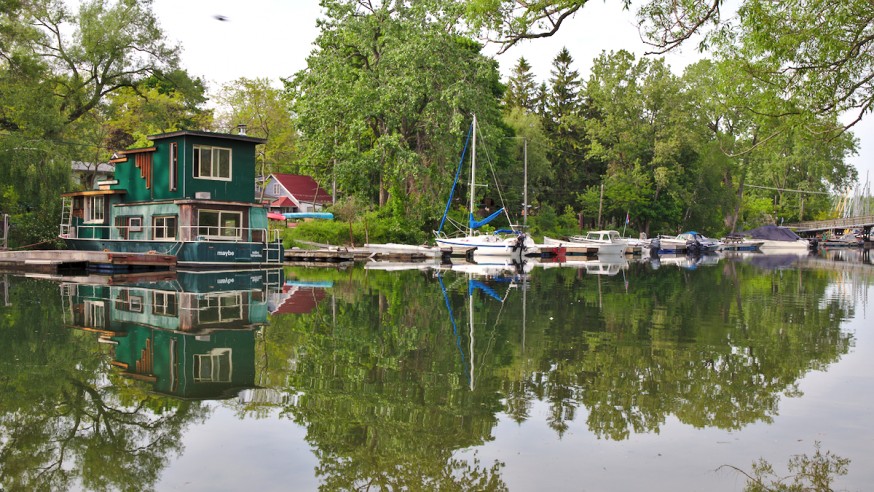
(393,373)
(188,334)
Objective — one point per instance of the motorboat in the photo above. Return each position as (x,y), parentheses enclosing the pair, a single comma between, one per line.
(699,243)
(775,238)
(739,243)
(607,242)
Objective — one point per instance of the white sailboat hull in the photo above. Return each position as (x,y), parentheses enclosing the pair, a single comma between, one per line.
(490,245)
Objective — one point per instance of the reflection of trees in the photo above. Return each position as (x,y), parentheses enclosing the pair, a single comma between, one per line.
(712,349)
(383,392)
(61,421)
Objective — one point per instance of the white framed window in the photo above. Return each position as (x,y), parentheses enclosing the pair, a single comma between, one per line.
(275,190)
(135,224)
(217,224)
(95,314)
(135,304)
(220,308)
(164,227)
(94,211)
(214,366)
(164,304)
(212,163)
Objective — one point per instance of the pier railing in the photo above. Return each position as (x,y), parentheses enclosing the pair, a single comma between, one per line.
(841,223)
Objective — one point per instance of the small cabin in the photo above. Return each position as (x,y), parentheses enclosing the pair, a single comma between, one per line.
(295,193)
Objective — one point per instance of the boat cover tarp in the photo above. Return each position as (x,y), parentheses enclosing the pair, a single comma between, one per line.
(773,233)
(774,262)
(476,224)
(309,215)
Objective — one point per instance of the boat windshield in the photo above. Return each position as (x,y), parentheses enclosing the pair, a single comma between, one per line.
(593,236)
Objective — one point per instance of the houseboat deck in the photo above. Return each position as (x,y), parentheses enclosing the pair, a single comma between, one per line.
(51,261)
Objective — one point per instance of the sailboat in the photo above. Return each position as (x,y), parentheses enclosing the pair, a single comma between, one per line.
(512,243)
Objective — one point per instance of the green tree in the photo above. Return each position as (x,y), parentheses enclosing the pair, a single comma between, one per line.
(385,99)
(563,125)
(266,112)
(56,71)
(642,129)
(521,88)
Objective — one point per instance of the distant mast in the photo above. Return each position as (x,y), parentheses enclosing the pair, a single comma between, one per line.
(472,178)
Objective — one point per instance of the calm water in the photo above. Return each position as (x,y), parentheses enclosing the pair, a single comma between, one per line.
(635,376)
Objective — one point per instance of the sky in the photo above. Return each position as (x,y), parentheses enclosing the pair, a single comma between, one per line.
(272,39)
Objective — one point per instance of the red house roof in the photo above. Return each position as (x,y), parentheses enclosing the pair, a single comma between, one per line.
(282,202)
(304,188)
(299,300)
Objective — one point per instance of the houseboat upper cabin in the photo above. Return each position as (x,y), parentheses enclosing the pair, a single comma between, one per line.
(191,195)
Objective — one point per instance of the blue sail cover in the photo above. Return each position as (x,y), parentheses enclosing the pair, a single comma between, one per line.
(473,285)
(476,224)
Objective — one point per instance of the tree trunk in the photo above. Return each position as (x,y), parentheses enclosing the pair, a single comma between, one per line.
(740,197)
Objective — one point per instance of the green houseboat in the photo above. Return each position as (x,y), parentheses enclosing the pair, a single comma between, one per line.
(191,195)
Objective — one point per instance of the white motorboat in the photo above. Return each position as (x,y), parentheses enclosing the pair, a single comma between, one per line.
(776,238)
(739,243)
(668,244)
(608,243)
(696,242)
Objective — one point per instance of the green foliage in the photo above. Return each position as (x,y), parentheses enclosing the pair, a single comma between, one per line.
(266,112)
(806,473)
(57,71)
(387,96)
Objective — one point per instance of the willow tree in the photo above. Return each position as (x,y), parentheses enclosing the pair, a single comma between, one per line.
(386,97)
(57,67)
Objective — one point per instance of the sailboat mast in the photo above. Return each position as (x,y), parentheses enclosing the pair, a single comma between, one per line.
(472,175)
(470,318)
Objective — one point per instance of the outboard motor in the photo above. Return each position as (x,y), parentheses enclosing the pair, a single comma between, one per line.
(520,244)
(655,244)
(693,247)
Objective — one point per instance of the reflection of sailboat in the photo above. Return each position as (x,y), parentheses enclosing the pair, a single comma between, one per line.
(473,285)
(191,335)
(488,269)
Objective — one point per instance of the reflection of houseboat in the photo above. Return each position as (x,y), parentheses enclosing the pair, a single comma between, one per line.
(190,195)
(191,335)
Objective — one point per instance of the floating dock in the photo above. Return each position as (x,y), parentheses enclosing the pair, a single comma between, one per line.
(53,261)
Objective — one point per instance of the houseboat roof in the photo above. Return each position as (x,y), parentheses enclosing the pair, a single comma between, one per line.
(226,136)
(94,192)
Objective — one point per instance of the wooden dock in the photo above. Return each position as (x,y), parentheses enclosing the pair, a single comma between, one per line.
(339,255)
(53,261)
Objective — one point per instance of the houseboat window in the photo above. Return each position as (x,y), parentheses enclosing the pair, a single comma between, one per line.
(216,224)
(174,165)
(212,163)
(95,314)
(214,367)
(94,208)
(135,224)
(124,301)
(164,304)
(220,308)
(164,227)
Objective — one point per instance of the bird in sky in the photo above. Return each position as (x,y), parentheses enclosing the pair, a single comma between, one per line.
(220,18)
